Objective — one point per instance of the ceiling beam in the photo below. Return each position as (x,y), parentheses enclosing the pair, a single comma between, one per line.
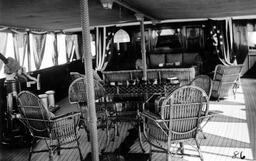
(129,7)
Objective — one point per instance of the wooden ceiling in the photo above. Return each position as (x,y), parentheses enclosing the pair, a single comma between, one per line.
(65,14)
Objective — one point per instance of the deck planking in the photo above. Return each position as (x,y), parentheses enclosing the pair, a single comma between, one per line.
(234,130)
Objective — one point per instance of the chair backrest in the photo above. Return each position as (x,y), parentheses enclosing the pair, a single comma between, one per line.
(181,113)
(75,75)
(227,73)
(77,90)
(224,79)
(204,82)
(34,115)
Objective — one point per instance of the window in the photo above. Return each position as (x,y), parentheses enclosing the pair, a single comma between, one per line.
(62,59)
(9,52)
(47,60)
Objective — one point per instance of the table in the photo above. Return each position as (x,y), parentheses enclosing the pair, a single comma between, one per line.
(139,90)
(138,94)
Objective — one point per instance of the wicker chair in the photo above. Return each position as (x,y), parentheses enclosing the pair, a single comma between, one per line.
(77,95)
(178,121)
(225,80)
(204,82)
(56,131)
(75,75)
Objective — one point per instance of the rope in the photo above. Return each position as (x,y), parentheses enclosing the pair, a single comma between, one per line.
(89,78)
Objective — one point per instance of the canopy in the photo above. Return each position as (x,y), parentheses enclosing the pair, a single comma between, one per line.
(65,14)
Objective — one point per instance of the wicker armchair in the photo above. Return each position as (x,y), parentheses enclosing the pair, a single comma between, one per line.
(75,75)
(56,131)
(204,82)
(225,80)
(178,121)
(77,95)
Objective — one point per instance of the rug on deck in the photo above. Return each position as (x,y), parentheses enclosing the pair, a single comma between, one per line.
(117,157)
(122,152)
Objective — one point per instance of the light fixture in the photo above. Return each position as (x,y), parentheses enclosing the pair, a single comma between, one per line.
(121,36)
(107,4)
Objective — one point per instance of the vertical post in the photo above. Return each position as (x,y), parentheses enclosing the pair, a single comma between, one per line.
(89,78)
(29,54)
(140,17)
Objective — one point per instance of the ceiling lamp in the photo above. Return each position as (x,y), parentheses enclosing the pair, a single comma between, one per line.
(107,4)
(121,36)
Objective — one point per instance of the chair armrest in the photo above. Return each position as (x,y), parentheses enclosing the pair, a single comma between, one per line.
(211,114)
(214,112)
(155,94)
(65,116)
(150,115)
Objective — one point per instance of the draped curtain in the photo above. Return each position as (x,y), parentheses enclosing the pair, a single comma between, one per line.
(226,46)
(20,44)
(101,48)
(154,38)
(220,40)
(71,47)
(38,44)
(3,40)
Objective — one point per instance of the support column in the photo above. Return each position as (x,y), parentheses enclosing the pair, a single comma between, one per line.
(140,17)
(29,54)
(89,79)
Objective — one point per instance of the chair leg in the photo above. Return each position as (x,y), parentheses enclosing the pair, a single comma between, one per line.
(50,148)
(181,148)
(107,134)
(85,129)
(50,154)
(116,128)
(30,152)
(234,93)
(140,137)
(199,151)
(201,131)
(150,152)
(79,150)
(31,148)
(58,148)
(84,117)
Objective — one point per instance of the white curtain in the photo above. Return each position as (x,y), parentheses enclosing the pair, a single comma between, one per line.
(227,46)
(71,47)
(101,48)
(20,44)
(38,44)
(3,40)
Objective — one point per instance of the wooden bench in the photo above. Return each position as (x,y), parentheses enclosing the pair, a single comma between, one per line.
(185,75)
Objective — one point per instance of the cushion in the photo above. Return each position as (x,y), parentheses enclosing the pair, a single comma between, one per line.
(156,59)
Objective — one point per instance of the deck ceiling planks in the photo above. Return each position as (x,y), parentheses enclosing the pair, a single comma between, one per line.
(183,9)
(58,14)
(65,14)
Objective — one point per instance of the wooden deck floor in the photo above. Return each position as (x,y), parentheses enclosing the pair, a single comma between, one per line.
(234,130)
